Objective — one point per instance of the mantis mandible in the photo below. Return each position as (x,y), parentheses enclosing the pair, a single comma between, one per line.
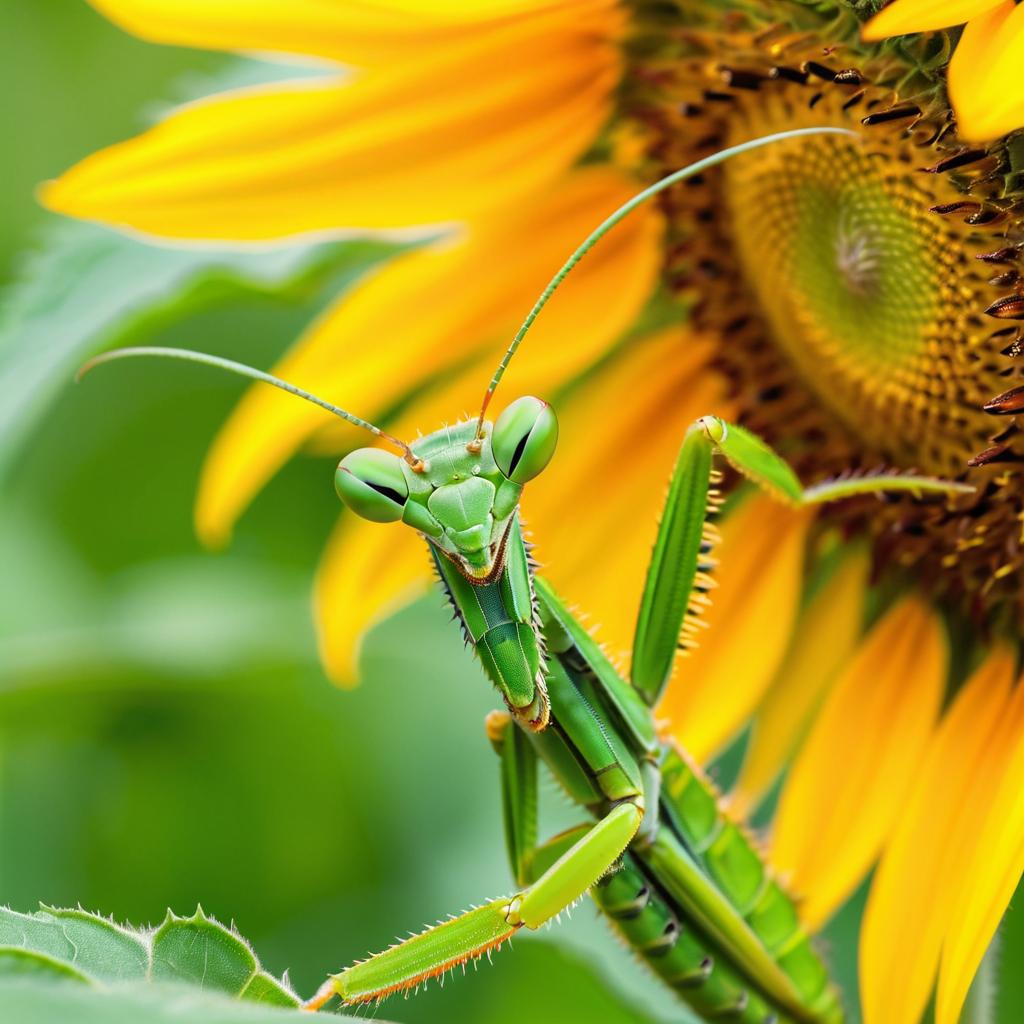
(683,883)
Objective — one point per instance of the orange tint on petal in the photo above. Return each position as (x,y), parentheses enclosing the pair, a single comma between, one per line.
(824,638)
(754,607)
(910,906)
(850,779)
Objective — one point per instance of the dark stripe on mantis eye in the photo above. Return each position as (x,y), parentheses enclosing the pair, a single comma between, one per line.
(387,492)
(518,453)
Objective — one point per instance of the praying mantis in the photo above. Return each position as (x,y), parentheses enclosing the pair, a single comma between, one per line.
(684,885)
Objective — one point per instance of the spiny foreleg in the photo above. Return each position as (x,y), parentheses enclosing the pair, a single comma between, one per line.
(677,576)
(480,931)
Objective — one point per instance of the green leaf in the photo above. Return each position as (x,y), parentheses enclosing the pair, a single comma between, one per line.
(201,952)
(32,1002)
(196,950)
(90,288)
(176,968)
(92,946)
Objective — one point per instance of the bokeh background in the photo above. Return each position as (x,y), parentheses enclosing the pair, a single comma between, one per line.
(167,737)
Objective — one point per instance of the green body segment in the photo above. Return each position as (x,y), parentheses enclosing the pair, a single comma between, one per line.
(681,956)
(498,620)
(729,858)
(579,867)
(749,455)
(596,745)
(518,791)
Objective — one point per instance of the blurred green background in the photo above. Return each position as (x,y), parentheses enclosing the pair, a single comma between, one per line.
(166,735)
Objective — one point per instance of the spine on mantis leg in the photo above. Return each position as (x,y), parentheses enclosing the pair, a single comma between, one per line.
(678,578)
(676,952)
(730,858)
(431,954)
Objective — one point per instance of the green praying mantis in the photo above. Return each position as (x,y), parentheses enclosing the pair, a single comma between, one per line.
(682,883)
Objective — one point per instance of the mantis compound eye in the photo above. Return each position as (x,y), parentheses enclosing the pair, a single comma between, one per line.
(372,483)
(524,439)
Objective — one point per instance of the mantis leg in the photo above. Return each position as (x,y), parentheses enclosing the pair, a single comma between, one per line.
(451,943)
(518,791)
(519,803)
(677,578)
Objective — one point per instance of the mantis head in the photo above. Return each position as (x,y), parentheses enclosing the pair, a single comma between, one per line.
(462,487)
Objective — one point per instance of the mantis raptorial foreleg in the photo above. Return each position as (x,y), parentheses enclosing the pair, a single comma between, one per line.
(572,862)
(518,792)
(527,859)
(677,574)
(473,934)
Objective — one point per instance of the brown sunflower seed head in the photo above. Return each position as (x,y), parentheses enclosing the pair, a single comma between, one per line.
(865,291)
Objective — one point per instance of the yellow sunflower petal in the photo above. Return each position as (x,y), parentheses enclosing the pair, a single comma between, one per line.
(368,571)
(750,621)
(595,530)
(909,909)
(424,141)
(988,873)
(850,779)
(430,311)
(823,640)
(904,16)
(985,74)
(352,31)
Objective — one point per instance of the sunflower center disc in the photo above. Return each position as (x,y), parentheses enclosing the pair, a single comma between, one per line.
(852,276)
(865,291)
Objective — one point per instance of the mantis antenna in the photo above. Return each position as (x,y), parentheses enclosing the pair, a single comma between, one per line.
(247,371)
(606,225)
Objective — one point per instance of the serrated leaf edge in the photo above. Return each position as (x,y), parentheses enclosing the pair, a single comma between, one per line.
(146,937)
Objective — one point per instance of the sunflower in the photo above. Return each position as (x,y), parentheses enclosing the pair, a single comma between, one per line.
(855,301)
